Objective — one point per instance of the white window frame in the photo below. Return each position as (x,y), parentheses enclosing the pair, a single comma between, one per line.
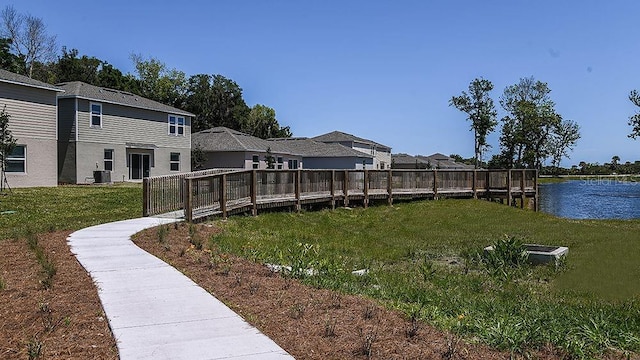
(15,158)
(113,152)
(91,115)
(174,162)
(179,124)
(280,163)
(255,164)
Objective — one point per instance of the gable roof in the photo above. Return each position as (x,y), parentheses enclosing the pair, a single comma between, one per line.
(406,159)
(312,148)
(225,139)
(13,78)
(339,136)
(79,89)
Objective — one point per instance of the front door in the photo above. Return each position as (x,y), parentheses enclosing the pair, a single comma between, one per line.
(139,166)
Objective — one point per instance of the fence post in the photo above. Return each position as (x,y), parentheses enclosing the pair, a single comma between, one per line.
(509,187)
(333,190)
(535,188)
(145,197)
(365,188)
(254,192)
(390,186)
(345,188)
(223,195)
(188,200)
(297,189)
(435,183)
(522,193)
(475,183)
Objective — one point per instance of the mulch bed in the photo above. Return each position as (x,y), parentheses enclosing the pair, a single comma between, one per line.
(308,323)
(65,321)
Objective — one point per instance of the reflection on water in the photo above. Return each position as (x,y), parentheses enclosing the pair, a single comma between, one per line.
(591,199)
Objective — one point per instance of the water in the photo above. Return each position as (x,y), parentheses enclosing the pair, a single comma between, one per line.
(591,199)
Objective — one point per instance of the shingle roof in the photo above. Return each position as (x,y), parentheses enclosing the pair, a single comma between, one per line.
(406,159)
(86,91)
(312,148)
(13,78)
(225,139)
(339,136)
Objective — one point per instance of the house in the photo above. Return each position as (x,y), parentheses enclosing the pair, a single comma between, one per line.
(319,155)
(31,105)
(434,161)
(381,153)
(131,137)
(225,148)
(406,161)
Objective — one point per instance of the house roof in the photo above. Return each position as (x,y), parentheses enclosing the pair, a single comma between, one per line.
(225,139)
(79,89)
(406,159)
(312,148)
(339,136)
(436,160)
(13,78)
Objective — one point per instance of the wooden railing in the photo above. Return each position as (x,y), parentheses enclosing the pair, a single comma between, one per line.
(222,192)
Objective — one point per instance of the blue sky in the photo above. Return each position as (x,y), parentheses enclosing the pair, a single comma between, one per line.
(382,70)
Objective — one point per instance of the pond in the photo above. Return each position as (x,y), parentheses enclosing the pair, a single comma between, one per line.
(591,199)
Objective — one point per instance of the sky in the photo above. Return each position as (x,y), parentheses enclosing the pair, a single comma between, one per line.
(382,70)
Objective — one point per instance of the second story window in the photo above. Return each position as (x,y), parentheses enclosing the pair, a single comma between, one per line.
(280,162)
(256,162)
(176,125)
(96,115)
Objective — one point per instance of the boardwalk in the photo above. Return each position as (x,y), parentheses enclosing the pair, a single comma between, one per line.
(223,193)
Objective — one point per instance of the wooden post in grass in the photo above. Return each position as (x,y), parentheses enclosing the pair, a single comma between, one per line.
(188,200)
(297,189)
(333,190)
(365,188)
(254,193)
(509,187)
(435,184)
(223,195)
(345,188)
(145,197)
(474,185)
(522,193)
(535,188)
(390,186)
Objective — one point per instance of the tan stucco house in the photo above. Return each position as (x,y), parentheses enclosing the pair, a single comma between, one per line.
(31,105)
(101,129)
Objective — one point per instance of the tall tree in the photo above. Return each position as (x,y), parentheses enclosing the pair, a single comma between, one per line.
(481,112)
(563,140)
(8,60)
(159,83)
(29,37)
(529,125)
(634,120)
(7,144)
(216,101)
(70,67)
(261,122)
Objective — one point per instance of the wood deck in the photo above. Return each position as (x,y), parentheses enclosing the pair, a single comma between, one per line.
(229,192)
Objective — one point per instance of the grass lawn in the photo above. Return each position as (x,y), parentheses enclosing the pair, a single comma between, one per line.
(424,258)
(67,207)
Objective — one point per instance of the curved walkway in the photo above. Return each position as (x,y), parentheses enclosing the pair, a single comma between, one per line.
(155,312)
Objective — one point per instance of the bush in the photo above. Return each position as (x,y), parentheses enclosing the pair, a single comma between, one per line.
(507,258)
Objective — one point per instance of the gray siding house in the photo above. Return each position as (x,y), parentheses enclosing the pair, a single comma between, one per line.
(434,161)
(31,104)
(110,130)
(225,148)
(319,155)
(381,153)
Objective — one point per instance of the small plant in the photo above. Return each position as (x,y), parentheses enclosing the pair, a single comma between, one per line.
(163,231)
(194,237)
(369,312)
(329,327)
(366,342)
(507,258)
(452,347)
(34,348)
(335,301)
(48,267)
(412,329)
(426,269)
(238,280)
(253,288)
(47,316)
(296,311)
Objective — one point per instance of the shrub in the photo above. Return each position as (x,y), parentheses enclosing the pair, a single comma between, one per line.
(507,258)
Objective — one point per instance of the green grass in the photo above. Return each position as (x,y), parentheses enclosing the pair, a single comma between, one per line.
(40,210)
(584,309)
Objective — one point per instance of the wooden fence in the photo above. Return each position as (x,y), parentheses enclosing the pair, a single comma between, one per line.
(226,192)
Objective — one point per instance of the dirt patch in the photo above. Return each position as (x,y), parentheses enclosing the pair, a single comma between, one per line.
(65,321)
(309,323)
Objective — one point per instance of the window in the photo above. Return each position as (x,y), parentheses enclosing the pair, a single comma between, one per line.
(96,115)
(174,162)
(295,164)
(280,162)
(256,162)
(17,161)
(176,125)
(108,159)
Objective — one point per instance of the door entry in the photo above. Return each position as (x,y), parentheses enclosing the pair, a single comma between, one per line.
(139,166)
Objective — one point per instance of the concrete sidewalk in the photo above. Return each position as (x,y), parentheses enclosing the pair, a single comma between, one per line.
(155,312)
